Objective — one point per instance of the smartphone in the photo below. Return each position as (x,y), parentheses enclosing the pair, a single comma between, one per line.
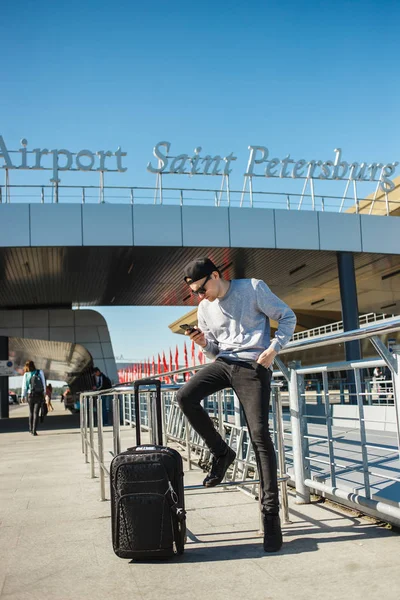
(188,328)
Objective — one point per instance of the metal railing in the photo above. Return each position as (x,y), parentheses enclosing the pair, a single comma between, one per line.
(338,451)
(338,326)
(193,196)
(331,445)
(176,429)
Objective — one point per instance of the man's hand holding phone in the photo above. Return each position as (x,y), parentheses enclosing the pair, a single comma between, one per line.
(195,334)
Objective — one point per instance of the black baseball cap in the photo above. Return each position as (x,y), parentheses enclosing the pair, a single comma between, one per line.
(199,268)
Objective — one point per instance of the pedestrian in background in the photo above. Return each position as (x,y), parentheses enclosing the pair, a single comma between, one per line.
(102,382)
(49,391)
(33,388)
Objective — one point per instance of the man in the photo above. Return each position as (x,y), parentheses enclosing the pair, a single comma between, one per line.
(33,387)
(102,382)
(233,318)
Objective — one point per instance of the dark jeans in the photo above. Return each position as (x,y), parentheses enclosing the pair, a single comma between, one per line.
(35,403)
(252,384)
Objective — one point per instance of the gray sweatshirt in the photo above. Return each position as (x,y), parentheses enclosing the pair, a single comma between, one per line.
(237,325)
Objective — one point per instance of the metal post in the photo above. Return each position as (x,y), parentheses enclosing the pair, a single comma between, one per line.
(132,199)
(4,389)
(356,197)
(130,410)
(312,193)
(387,204)
(363,439)
(296,399)
(56,192)
(91,437)
(396,390)
(83,195)
(81,417)
(116,426)
(8,198)
(101,447)
(152,418)
(164,419)
(220,414)
(307,179)
(138,419)
(281,456)
(188,444)
(85,423)
(328,418)
(149,415)
(344,195)
(42,196)
(101,197)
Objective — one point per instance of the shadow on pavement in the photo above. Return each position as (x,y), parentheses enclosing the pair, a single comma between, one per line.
(222,548)
(50,423)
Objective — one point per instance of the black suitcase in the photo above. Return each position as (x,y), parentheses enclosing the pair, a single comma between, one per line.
(147,499)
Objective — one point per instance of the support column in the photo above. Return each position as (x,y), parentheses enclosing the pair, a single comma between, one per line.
(349,302)
(4,406)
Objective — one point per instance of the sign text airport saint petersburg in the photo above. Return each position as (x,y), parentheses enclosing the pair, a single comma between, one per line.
(260,164)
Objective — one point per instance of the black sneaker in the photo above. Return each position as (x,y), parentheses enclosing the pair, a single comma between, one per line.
(272,533)
(219,467)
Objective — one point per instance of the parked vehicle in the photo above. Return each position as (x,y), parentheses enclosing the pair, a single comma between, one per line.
(12,398)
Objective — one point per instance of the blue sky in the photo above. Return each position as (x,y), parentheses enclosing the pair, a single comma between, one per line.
(298,77)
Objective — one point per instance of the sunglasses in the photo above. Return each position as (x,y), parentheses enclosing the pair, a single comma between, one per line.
(202,289)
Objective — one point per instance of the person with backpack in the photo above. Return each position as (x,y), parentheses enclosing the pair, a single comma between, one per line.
(102,382)
(33,388)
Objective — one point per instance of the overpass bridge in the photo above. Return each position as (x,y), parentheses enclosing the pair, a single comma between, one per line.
(73,253)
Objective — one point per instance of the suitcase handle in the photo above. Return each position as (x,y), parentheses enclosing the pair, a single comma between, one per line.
(136,386)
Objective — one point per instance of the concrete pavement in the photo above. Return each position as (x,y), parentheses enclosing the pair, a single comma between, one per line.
(55,539)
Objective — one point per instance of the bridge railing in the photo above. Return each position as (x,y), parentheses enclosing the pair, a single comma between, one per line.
(176,429)
(342,443)
(91,194)
(347,450)
(338,326)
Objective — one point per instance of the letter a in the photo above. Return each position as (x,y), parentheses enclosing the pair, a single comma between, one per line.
(4,154)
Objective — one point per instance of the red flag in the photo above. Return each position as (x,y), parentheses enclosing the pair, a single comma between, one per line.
(176,364)
(164,360)
(186,361)
(158,365)
(165,367)
(193,354)
(171,366)
(153,367)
